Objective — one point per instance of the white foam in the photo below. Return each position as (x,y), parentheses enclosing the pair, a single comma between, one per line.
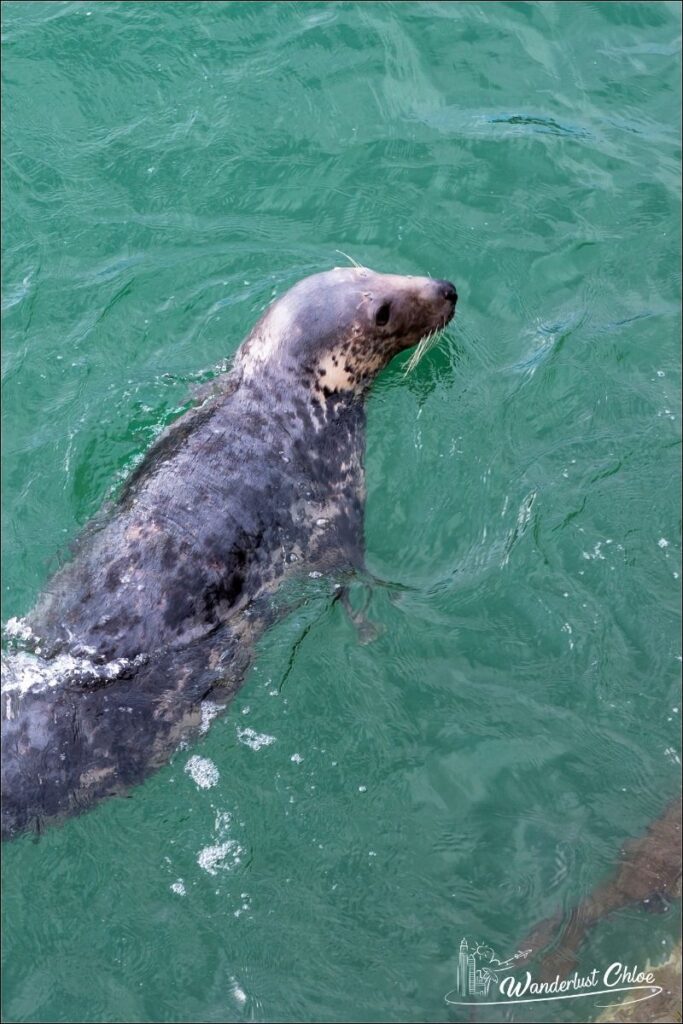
(254,740)
(18,629)
(209,710)
(202,771)
(179,887)
(222,823)
(221,857)
(23,671)
(597,551)
(238,992)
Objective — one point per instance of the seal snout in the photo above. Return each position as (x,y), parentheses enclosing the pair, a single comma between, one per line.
(445,299)
(448,291)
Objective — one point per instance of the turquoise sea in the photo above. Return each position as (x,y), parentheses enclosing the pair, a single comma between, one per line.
(168,168)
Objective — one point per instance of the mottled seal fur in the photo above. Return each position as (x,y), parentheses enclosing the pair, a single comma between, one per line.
(162,602)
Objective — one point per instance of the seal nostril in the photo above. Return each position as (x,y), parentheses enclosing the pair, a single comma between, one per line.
(448,291)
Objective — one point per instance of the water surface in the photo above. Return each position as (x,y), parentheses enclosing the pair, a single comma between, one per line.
(168,169)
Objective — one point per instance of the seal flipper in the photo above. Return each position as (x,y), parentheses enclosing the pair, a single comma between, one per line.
(367,630)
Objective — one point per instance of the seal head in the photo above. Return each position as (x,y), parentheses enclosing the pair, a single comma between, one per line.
(338,329)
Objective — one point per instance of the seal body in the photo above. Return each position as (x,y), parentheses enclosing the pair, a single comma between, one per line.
(160,607)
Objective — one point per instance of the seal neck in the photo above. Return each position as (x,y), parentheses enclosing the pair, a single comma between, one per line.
(293,399)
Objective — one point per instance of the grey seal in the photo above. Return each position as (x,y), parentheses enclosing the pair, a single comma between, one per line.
(163,600)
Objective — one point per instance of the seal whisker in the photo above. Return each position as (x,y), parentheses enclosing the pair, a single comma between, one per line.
(417,354)
(424,346)
(355,263)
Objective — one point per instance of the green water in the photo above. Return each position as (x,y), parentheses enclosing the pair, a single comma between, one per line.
(168,168)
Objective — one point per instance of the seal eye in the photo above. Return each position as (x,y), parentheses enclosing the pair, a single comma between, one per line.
(382,314)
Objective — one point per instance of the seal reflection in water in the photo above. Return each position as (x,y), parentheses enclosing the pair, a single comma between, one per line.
(161,605)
